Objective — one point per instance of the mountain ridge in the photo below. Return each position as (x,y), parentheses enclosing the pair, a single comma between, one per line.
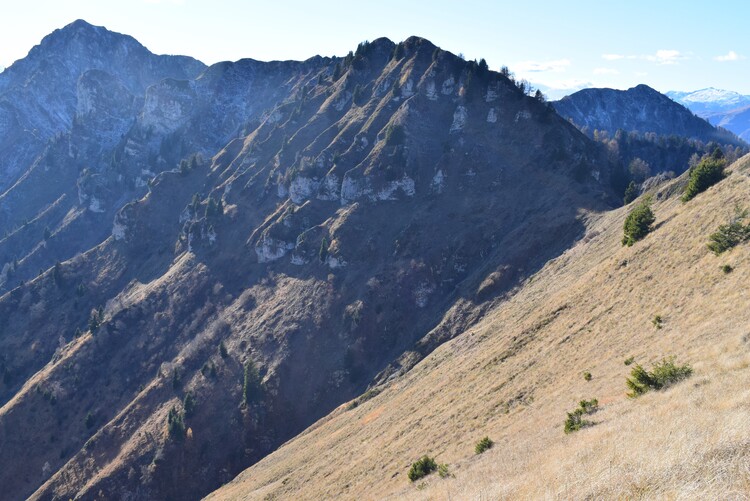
(641,109)
(230,254)
(731,110)
(266,259)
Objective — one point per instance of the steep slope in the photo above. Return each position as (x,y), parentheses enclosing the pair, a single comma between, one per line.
(738,121)
(514,375)
(379,208)
(639,109)
(645,133)
(113,130)
(38,92)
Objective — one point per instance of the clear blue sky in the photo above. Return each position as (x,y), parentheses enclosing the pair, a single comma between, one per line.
(560,46)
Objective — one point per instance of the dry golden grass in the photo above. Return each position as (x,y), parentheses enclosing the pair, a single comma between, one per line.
(515,374)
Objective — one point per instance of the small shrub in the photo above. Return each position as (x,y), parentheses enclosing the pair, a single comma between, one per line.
(483,445)
(89,421)
(663,375)
(638,223)
(727,269)
(658,322)
(704,175)
(589,406)
(629,360)
(731,234)
(443,470)
(587,376)
(575,420)
(421,468)
(223,349)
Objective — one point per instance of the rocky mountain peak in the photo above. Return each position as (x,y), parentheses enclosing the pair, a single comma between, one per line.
(641,109)
(317,218)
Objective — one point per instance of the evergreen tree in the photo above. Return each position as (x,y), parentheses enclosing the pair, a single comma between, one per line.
(638,224)
(251,387)
(631,193)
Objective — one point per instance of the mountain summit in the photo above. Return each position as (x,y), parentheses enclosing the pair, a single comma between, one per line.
(641,109)
(201,263)
(710,100)
(232,252)
(727,109)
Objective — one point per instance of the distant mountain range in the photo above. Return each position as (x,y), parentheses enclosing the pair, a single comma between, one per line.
(641,123)
(723,108)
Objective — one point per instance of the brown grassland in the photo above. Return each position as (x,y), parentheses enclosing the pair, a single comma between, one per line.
(514,375)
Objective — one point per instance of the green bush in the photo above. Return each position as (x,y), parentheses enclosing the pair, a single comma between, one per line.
(483,445)
(631,193)
(421,468)
(443,470)
(658,321)
(629,360)
(638,223)
(704,175)
(731,234)
(727,269)
(587,376)
(175,424)
(663,375)
(575,420)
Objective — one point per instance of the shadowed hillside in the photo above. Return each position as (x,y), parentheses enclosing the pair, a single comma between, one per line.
(515,374)
(359,212)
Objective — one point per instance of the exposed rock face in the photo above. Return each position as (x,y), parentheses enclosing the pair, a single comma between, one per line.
(639,109)
(339,226)
(114,116)
(39,93)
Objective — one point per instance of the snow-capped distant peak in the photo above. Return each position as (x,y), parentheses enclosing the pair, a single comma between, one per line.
(709,101)
(713,95)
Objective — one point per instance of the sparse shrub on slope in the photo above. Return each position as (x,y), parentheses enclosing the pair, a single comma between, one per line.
(707,173)
(421,468)
(575,420)
(443,471)
(638,224)
(658,322)
(731,234)
(663,375)
(483,445)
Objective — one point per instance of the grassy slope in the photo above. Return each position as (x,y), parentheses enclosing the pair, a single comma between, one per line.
(514,375)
